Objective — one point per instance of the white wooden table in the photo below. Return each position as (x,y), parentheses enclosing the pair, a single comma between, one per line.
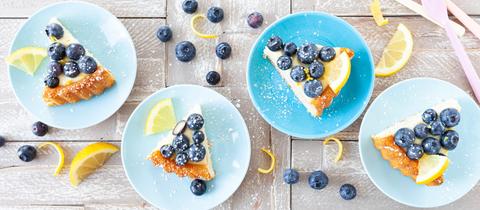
(32,186)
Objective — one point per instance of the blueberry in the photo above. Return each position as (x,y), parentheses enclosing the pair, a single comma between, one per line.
(181,159)
(180,142)
(198,137)
(290,48)
(307,53)
(284,62)
(404,137)
(431,146)
(39,128)
(449,139)
(291,176)
(198,187)
(298,74)
(223,50)
(71,69)
(421,130)
(255,20)
(75,51)
(318,180)
(185,51)
(56,51)
(195,121)
(164,33)
(415,152)
(316,69)
(54,30)
(87,65)
(429,116)
(55,69)
(189,6)
(167,151)
(27,153)
(275,43)
(196,152)
(215,14)
(436,128)
(2,141)
(313,88)
(327,54)
(348,192)
(450,117)
(51,81)
(213,77)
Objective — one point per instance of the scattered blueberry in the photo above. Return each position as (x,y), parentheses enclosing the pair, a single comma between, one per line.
(290,48)
(198,187)
(215,14)
(189,6)
(87,65)
(307,53)
(51,81)
(421,130)
(180,142)
(196,152)
(275,43)
(449,139)
(404,137)
(298,74)
(185,51)
(2,141)
(164,33)
(71,69)
(198,137)
(316,69)
(213,77)
(318,180)
(181,159)
(75,51)
(450,117)
(27,153)
(167,151)
(39,128)
(348,192)
(429,116)
(313,88)
(436,128)
(327,54)
(415,152)
(55,69)
(255,19)
(223,50)
(284,62)
(56,51)
(431,146)
(291,176)
(54,30)
(195,121)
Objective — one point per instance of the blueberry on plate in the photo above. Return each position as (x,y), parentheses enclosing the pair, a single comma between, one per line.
(404,137)
(215,14)
(198,187)
(348,192)
(421,130)
(54,30)
(56,51)
(313,88)
(198,137)
(449,139)
(291,176)
(75,51)
(450,117)
(275,43)
(167,151)
(431,146)
(290,49)
(39,128)
(189,6)
(195,121)
(327,54)
(164,33)
(2,141)
(307,53)
(415,152)
(51,81)
(318,180)
(213,77)
(87,65)
(196,152)
(284,62)
(181,159)
(71,69)
(316,69)
(55,69)
(255,19)
(185,51)
(180,142)
(27,153)
(298,74)
(429,116)
(436,128)
(223,50)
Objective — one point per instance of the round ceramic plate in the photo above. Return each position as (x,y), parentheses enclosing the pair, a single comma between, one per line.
(225,129)
(275,100)
(407,98)
(104,36)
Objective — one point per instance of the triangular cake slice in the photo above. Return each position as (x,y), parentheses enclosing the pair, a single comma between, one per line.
(195,170)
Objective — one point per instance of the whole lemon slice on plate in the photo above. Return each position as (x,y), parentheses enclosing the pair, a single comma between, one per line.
(431,167)
(161,117)
(396,54)
(61,155)
(89,159)
(337,71)
(27,59)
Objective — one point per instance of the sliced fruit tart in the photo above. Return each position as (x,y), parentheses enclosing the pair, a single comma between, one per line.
(74,74)
(315,73)
(418,145)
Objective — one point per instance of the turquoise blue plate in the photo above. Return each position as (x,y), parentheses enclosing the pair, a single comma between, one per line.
(276,102)
(405,99)
(104,36)
(224,127)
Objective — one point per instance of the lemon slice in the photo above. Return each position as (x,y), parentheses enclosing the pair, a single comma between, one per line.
(337,71)
(161,117)
(396,54)
(431,167)
(61,155)
(27,59)
(377,13)
(198,33)
(340,147)
(89,159)
(272,163)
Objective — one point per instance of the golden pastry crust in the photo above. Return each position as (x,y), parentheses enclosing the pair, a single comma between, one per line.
(84,89)
(193,171)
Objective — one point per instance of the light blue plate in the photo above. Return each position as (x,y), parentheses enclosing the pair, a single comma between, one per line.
(226,130)
(104,36)
(405,99)
(276,102)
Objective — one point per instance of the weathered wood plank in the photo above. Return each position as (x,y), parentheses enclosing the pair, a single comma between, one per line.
(282,148)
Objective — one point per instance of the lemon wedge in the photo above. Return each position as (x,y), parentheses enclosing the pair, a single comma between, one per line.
(431,167)
(337,71)
(61,155)
(161,117)
(396,54)
(198,33)
(27,59)
(89,159)
(340,147)
(272,162)
(377,13)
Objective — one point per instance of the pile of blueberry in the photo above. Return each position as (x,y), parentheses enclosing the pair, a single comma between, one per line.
(308,54)
(435,132)
(77,60)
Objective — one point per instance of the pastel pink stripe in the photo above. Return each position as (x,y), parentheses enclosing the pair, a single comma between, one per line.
(464,18)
